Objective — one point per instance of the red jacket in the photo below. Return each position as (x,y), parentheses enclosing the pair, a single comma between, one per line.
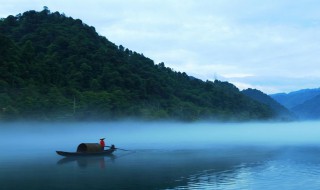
(102,143)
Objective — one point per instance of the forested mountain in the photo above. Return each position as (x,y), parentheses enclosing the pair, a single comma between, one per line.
(295,98)
(282,112)
(56,67)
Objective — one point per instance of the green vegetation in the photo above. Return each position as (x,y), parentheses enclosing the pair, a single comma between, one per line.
(55,67)
(282,113)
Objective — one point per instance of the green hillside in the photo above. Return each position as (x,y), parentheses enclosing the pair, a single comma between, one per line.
(281,112)
(54,67)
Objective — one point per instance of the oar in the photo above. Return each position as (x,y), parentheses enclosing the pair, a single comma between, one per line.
(118,148)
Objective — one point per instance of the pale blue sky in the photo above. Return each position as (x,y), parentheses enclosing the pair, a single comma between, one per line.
(272,45)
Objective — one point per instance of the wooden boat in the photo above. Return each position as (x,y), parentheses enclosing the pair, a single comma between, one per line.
(102,153)
(88,149)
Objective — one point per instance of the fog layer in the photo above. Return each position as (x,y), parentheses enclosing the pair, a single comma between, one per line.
(141,135)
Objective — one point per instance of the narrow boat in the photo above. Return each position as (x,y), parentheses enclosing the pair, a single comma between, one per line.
(88,149)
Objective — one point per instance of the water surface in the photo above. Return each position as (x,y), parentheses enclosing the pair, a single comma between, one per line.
(163,156)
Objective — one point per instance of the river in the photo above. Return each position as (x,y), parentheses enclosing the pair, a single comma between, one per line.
(163,155)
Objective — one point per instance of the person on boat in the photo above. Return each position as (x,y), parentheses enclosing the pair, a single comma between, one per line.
(102,144)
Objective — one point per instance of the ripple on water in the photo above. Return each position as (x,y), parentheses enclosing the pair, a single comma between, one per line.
(275,174)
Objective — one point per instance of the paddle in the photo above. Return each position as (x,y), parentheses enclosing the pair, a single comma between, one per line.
(118,148)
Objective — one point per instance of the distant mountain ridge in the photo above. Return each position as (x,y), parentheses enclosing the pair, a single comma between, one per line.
(310,109)
(292,99)
(304,103)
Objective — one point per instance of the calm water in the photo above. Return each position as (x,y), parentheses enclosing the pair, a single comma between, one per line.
(163,156)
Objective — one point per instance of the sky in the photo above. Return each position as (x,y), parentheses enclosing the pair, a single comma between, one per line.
(270,45)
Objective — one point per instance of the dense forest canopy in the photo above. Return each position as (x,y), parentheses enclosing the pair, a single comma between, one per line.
(56,67)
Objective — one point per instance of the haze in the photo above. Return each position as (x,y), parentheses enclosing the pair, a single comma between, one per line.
(139,135)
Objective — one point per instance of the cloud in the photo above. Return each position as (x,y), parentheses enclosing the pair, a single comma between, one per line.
(271,84)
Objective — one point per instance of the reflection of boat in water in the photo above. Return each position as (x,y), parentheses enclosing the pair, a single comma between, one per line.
(88,149)
(90,161)
(83,162)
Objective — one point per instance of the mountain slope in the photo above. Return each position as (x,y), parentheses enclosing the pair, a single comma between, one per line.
(281,112)
(60,68)
(310,109)
(293,99)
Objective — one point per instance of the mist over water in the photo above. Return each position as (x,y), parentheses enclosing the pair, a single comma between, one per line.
(142,135)
(164,155)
